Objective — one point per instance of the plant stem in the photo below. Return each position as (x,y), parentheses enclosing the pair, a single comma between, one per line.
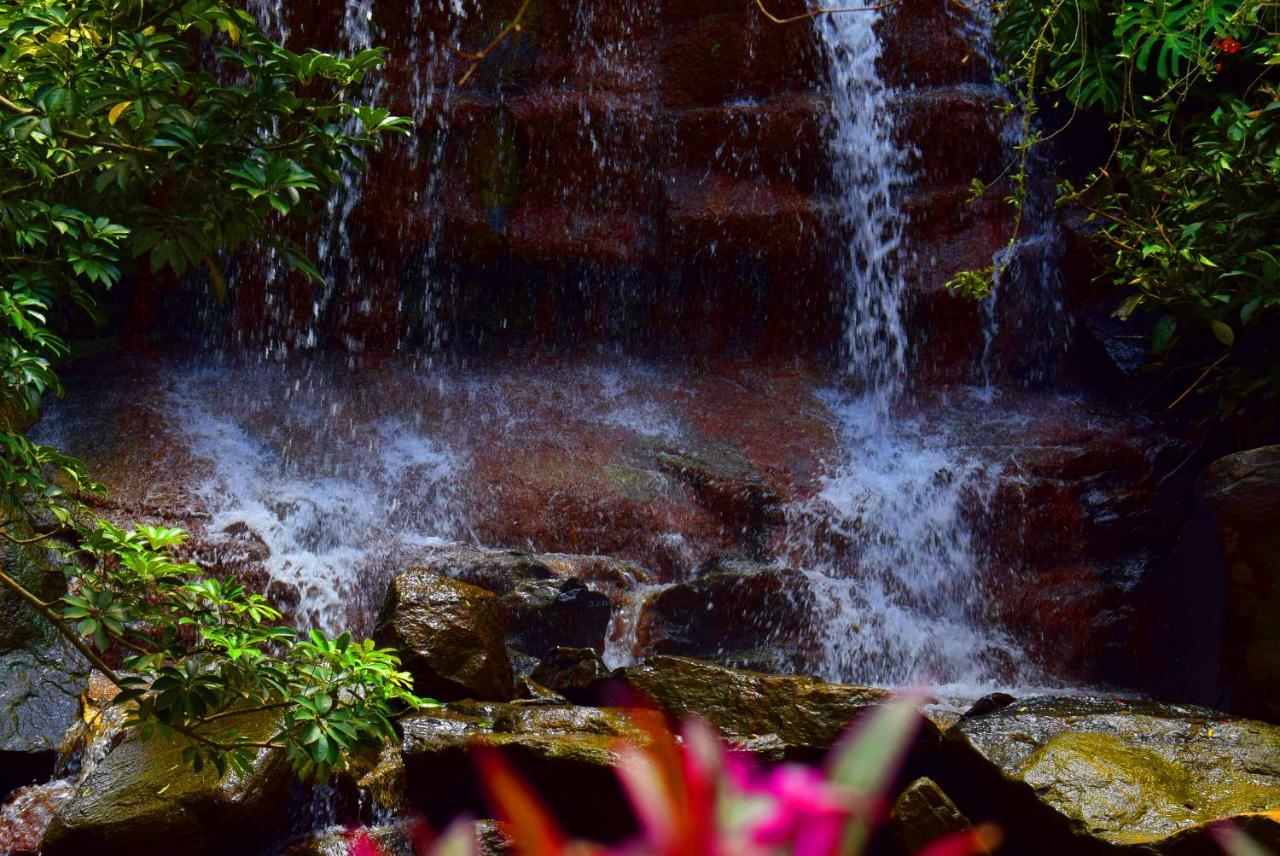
(56,620)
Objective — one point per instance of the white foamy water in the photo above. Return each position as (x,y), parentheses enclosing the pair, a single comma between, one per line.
(336,500)
(889,546)
(870,167)
(887,542)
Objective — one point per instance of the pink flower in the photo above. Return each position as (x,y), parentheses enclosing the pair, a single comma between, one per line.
(804,812)
(361,843)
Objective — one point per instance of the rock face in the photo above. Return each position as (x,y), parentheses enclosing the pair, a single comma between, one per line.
(735,612)
(666,498)
(143,799)
(566,753)
(1085,775)
(575,673)
(778,716)
(1077,528)
(653,173)
(451,636)
(1244,491)
(922,815)
(41,675)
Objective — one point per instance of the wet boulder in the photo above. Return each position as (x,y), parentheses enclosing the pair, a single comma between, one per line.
(1099,774)
(564,752)
(450,635)
(41,675)
(1244,492)
(777,716)
(547,614)
(143,799)
(735,612)
(546,597)
(578,674)
(924,814)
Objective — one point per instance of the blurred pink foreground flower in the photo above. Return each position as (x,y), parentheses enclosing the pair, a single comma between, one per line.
(695,796)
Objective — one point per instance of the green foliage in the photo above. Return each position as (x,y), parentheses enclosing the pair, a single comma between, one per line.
(199,653)
(136,133)
(976,284)
(164,133)
(1189,202)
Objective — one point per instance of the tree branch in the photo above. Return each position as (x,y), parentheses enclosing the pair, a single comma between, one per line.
(516,24)
(814,13)
(56,620)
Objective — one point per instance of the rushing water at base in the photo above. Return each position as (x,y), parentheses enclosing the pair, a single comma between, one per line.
(330,479)
(887,540)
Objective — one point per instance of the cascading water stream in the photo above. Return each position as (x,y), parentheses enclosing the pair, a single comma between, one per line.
(870,170)
(338,485)
(888,539)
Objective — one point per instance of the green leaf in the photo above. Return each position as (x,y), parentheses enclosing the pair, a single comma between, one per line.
(1163,335)
(1223,333)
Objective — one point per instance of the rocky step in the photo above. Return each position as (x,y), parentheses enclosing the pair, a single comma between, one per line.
(1057,775)
(1105,775)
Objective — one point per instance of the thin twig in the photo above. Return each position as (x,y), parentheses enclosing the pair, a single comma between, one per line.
(1198,381)
(478,57)
(814,13)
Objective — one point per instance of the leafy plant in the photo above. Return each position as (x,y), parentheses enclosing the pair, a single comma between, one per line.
(163,133)
(1188,204)
(137,133)
(199,656)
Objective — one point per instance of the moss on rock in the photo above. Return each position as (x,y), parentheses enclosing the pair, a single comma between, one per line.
(143,799)
(1125,774)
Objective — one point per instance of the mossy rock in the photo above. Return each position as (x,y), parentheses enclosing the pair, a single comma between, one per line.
(566,753)
(784,716)
(1101,775)
(142,799)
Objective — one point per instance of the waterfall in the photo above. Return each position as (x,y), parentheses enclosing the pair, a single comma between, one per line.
(870,169)
(888,540)
(636,172)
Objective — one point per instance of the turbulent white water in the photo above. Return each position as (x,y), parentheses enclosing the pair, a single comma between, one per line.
(339,500)
(888,542)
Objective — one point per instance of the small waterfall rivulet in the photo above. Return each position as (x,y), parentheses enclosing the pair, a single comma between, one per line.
(328,468)
(887,540)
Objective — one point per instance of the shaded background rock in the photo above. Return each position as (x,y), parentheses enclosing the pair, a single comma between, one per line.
(578,674)
(923,815)
(1244,492)
(41,674)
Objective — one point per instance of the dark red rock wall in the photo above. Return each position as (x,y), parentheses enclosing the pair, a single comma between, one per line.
(649,174)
